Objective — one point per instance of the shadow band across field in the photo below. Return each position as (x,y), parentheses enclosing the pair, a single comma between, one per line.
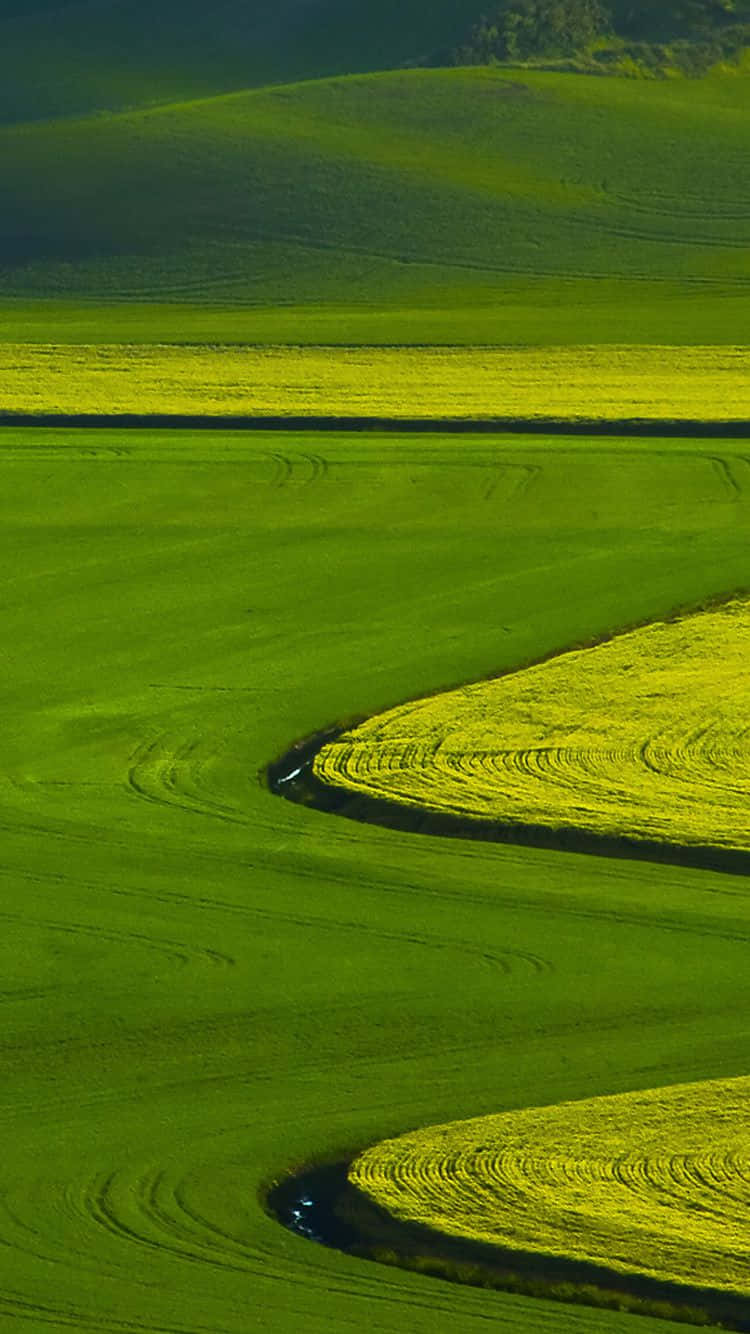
(292,777)
(321,1204)
(687,428)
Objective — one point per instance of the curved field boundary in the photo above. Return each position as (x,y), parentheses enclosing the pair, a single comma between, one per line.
(322,1204)
(638,1201)
(654,1183)
(203,988)
(675,428)
(293,777)
(321,771)
(643,737)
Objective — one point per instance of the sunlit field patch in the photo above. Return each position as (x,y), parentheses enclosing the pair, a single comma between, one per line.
(204,987)
(645,736)
(603,383)
(654,1183)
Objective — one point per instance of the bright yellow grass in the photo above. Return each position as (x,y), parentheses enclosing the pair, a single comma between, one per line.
(600,382)
(653,1183)
(647,735)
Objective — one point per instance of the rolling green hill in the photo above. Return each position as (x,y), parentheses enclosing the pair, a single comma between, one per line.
(622,205)
(63,58)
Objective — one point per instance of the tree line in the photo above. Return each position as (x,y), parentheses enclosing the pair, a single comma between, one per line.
(526,29)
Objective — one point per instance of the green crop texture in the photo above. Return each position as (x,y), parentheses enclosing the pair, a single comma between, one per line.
(653,1183)
(63,57)
(427,206)
(203,986)
(705,383)
(645,736)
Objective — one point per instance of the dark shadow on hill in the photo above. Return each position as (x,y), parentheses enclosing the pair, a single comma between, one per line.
(292,776)
(635,427)
(321,1204)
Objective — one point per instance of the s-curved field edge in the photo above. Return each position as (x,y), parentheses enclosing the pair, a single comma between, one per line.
(203,986)
(644,1193)
(352,1205)
(634,746)
(646,1209)
(643,737)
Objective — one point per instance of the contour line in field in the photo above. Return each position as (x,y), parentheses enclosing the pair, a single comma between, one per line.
(651,1183)
(645,737)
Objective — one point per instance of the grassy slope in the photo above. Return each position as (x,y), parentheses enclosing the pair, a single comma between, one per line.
(203,985)
(67,56)
(432,205)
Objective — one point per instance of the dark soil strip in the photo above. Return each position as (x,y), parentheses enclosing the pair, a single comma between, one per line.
(321,1204)
(292,777)
(687,429)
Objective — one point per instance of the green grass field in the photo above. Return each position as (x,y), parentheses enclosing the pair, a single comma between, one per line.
(204,986)
(411,207)
(260,208)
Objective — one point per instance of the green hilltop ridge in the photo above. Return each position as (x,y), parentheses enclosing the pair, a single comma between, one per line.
(68,57)
(84,55)
(298,168)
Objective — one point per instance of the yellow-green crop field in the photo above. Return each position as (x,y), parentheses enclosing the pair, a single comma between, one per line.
(645,735)
(655,1182)
(605,382)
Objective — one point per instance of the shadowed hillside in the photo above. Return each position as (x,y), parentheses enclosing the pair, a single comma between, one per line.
(441,186)
(63,58)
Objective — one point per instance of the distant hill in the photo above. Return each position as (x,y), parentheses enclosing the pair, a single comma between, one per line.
(143,162)
(66,56)
(63,57)
(393,187)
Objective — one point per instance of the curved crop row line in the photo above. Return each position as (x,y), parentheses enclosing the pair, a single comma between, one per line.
(654,1183)
(645,737)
